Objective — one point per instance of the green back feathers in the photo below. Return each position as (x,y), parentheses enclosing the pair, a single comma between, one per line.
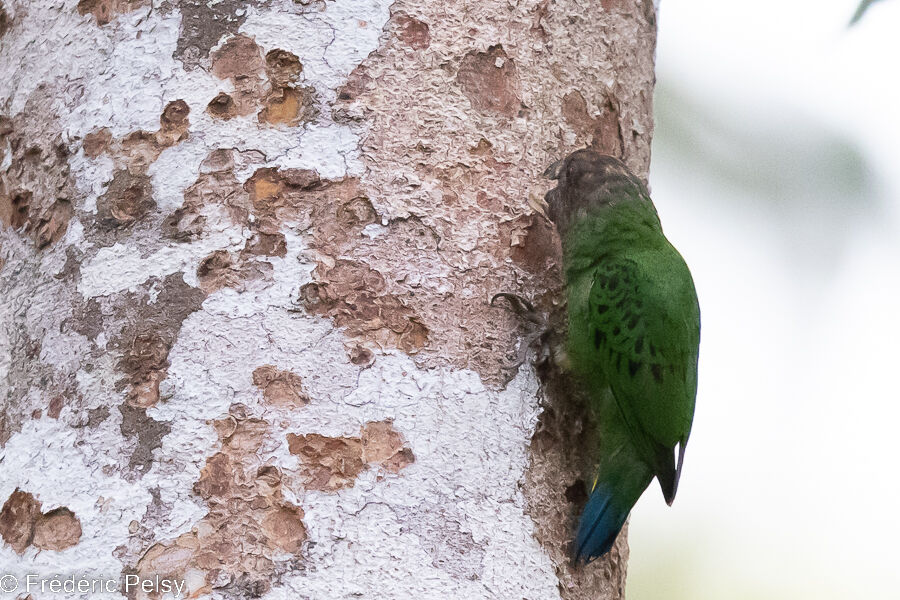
(634,321)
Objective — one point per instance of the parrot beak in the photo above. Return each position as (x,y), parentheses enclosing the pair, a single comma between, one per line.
(553,171)
(538,204)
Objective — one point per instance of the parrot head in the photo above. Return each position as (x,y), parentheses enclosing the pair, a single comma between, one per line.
(588,180)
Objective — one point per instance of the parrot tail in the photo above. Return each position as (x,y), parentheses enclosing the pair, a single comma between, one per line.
(607,508)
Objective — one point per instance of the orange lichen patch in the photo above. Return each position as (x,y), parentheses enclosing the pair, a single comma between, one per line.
(249,523)
(128,198)
(289,106)
(96,142)
(489,81)
(36,189)
(283,68)
(22,524)
(412,32)
(17,518)
(355,296)
(289,195)
(332,463)
(57,530)
(280,388)
(105,11)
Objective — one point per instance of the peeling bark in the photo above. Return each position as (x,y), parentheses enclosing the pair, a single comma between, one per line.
(246,253)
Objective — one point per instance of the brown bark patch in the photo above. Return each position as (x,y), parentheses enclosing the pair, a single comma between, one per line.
(128,198)
(412,32)
(105,11)
(141,148)
(280,388)
(17,518)
(96,142)
(490,82)
(333,463)
(57,530)
(284,528)
(532,242)
(225,269)
(22,524)
(283,68)
(603,131)
(240,59)
(354,296)
(55,406)
(267,244)
(216,197)
(235,546)
(147,434)
(327,463)
(149,326)
(4,21)
(360,355)
(384,445)
(222,107)
(204,23)
(36,191)
(356,84)
(267,84)
(608,137)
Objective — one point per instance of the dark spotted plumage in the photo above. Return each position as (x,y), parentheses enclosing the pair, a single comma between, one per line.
(634,329)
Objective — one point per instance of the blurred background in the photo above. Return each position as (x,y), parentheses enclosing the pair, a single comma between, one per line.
(776,171)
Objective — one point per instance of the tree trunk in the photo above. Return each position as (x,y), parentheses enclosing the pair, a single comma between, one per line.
(247,253)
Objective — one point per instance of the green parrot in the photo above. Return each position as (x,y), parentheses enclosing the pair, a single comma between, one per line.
(633,336)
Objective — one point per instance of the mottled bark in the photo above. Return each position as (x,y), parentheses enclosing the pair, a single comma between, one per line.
(246,254)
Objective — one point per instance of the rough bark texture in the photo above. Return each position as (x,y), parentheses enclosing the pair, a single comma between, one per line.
(247,252)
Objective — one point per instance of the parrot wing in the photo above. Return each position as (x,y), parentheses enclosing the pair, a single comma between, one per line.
(645,329)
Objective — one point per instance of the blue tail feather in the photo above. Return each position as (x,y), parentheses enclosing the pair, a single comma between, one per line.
(600,523)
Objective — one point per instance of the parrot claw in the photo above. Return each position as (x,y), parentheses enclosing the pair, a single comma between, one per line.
(522,307)
(525,309)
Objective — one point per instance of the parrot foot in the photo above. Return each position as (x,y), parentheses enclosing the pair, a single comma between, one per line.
(522,307)
(526,310)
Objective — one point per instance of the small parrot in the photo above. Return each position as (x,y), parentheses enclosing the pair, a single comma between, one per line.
(633,336)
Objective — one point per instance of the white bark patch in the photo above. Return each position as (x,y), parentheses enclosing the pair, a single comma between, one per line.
(59,472)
